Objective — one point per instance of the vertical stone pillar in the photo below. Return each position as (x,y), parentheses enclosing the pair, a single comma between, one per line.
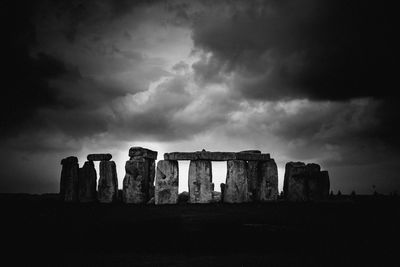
(222,186)
(268,181)
(87,182)
(295,183)
(236,188)
(253,180)
(167,182)
(152,174)
(69,179)
(108,182)
(200,181)
(135,185)
(318,186)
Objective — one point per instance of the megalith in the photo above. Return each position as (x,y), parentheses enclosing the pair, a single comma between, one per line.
(138,184)
(87,182)
(200,181)
(305,182)
(253,180)
(69,179)
(236,188)
(99,157)
(268,181)
(167,181)
(135,186)
(108,182)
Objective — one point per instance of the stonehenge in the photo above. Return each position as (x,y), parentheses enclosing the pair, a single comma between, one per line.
(252,176)
(305,182)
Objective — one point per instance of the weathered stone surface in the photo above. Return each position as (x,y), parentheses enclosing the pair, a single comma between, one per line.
(69,179)
(135,184)
(215,156)
(268,181)
(253,179)
(305,182)
(152,175)
(99,157)
(108,182)
(87,182)
(200,181)
(142,152)
(295,188)
(167,175)
(236,188)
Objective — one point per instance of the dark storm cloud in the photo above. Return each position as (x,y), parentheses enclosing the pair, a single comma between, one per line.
(323,50)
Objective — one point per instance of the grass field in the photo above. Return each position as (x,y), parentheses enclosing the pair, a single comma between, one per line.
(359,232)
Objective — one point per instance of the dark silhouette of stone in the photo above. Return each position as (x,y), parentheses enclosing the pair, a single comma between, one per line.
(251,151)
(87,182)
(215,156)
(108,182)
(166,189)
(305,182)
(268,181)
(142,152)
(99,157)
(200,181)
(183,197)
(222,186)
(69,179)
(236,188)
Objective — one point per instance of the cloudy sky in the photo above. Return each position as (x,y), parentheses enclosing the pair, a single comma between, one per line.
(308,81)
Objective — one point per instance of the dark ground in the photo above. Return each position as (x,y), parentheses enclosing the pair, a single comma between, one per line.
(41,230)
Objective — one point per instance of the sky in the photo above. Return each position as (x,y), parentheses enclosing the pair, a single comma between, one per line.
(310,81)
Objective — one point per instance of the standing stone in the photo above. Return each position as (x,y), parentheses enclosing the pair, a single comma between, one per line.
(236,188)
(318,186)
(167,181)
(108,182)
(87,182)
(138,184)
(295,183)
(200,181)
(253,180)
(69,179)
(152,174)
(268,181)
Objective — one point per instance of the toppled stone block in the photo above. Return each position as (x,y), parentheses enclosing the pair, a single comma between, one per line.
(142,152)
(236,188)
(216,197)
(305,182)
(87,182)
(200,181)
(69,179)
(99,157)
(167,181)
(183,197)
(108,182)
(136,183)
(268,181)
(216,156)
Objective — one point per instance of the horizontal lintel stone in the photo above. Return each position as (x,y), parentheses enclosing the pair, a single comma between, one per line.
(99,157)
(216,156)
